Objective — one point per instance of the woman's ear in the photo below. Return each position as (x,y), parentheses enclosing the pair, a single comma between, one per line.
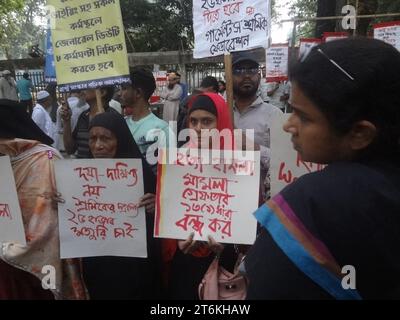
(362,134)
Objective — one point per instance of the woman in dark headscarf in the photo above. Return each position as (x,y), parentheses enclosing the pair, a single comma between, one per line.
(123,277)
(32,161)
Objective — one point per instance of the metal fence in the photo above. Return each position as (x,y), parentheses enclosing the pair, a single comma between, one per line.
(194,74)
(38,82)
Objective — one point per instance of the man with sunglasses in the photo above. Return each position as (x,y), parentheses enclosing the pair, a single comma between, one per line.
(250,111)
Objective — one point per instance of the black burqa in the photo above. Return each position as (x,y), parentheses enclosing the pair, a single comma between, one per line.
(15,122)
(125,277)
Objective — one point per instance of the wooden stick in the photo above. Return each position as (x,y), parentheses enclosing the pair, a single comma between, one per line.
(99,100)
(229,82)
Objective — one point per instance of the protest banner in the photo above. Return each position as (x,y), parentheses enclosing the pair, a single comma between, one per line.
(277,59)
(208,199)
(222,26)
(49,69)
(388,32)
(100,216)
(306,44)
(11,225)
(286,165)
(89,44)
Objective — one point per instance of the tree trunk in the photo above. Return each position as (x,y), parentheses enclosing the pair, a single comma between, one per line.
(325,8)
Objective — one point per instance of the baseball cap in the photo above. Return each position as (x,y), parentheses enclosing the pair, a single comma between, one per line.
(241,56)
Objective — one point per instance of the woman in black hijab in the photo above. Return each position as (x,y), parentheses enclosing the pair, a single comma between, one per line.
(123,277)
(15,122)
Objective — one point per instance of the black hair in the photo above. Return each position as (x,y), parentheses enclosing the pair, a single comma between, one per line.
(109,90)
(25,75)
(209,81)
(373,94)
(143,79)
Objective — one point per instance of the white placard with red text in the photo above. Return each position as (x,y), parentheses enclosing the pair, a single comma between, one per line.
(277,57)
(226,26)
(100,216)
(286,165)
(11,226)
(216,200)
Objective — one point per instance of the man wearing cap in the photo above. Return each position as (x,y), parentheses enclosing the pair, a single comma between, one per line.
(24,86)
(171,95)
(8,87)
(250,111)
(41,115)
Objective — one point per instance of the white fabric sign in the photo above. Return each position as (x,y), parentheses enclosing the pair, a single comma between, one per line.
(222,26)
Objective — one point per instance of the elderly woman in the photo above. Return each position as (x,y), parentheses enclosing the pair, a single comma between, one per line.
(32,161)
(123,277)
(335,233)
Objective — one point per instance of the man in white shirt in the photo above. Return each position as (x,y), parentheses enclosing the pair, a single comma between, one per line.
(41,116)
(250,111)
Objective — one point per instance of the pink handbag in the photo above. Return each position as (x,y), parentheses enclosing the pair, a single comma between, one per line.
(220,284)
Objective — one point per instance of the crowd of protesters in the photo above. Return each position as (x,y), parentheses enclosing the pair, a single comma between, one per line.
(346,113)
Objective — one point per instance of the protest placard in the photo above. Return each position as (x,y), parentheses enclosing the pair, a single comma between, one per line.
(332,36)
(11,226)
(306,44)
(277,58)
(388,32)
(89,44)
(208,199)
(100,216)
(286,165)
(222,26)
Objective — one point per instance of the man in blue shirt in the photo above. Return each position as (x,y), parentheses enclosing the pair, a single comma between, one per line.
(147,129)
(24,87)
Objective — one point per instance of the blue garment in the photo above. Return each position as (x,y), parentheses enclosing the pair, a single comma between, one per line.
(146,132)
(24,87)
(184,91)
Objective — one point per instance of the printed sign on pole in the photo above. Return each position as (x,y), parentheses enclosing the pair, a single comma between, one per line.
(277,59)
(89,44)
(388,32)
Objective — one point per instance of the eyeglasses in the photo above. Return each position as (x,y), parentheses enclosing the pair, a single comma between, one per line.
(241,71)
(335,64)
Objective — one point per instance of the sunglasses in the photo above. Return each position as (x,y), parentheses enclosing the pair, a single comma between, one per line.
(336,64)
(241,71)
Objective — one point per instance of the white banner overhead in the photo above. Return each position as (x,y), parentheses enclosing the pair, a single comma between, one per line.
(222,26)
